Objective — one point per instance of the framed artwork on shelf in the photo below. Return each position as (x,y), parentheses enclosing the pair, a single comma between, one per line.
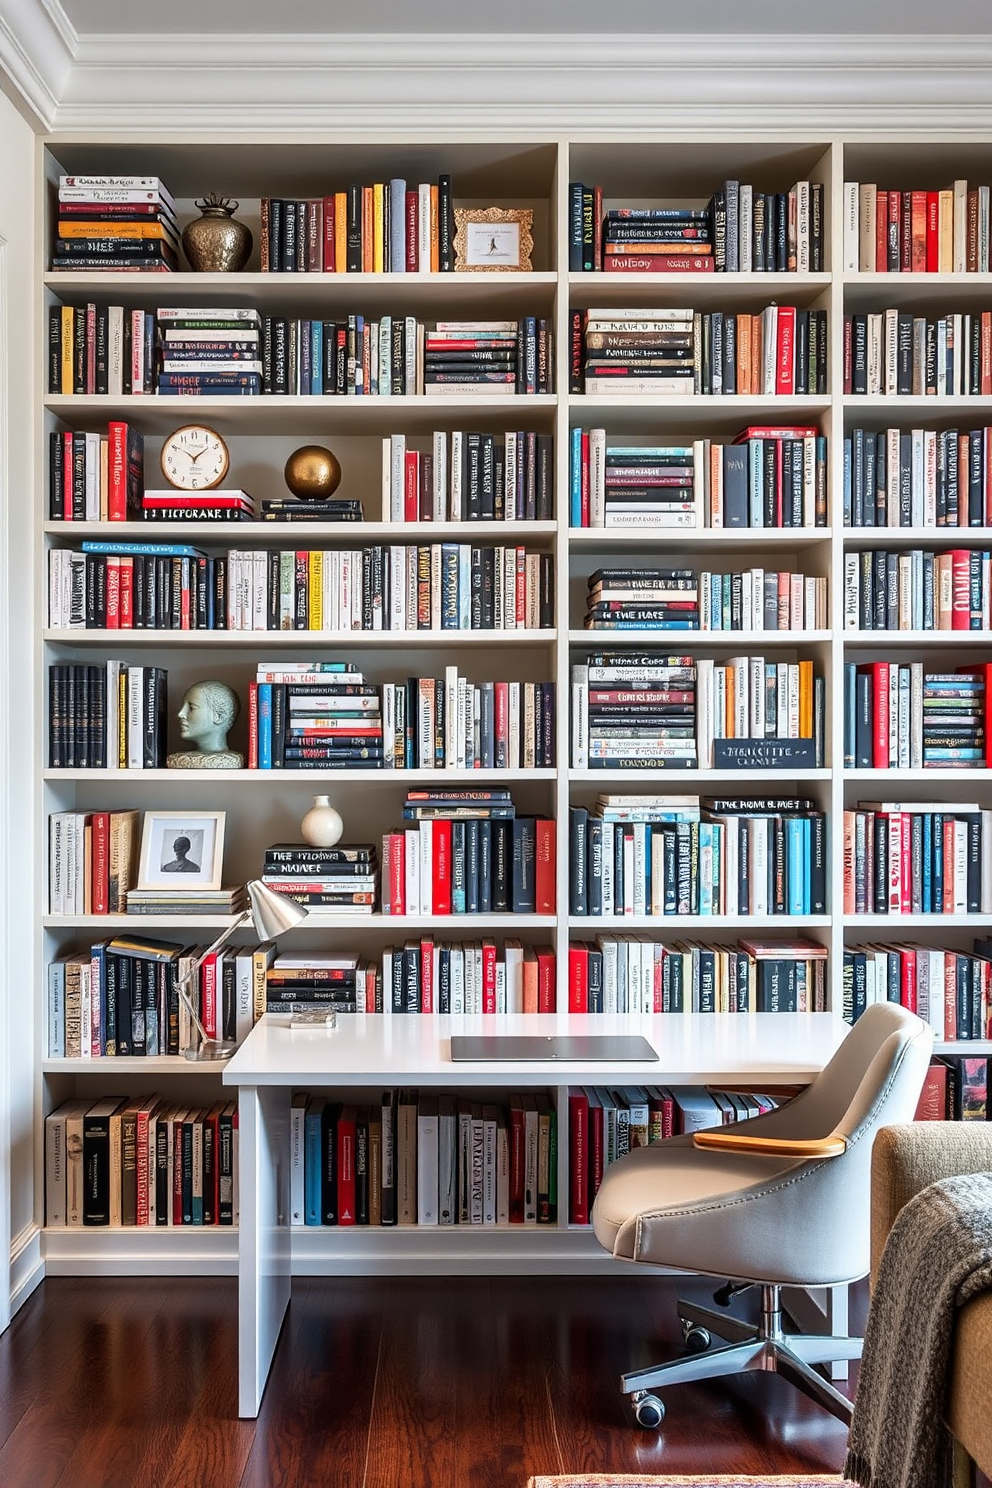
(497,239)
(181,848)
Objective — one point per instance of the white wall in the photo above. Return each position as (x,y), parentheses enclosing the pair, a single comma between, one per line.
(18,711)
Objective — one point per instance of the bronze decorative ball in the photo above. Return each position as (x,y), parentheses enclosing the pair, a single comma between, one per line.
(312,473)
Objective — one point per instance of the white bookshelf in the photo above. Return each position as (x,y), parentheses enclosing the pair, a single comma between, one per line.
(265,806)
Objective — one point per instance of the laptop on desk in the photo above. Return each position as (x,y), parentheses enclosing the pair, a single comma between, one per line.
(575,1047)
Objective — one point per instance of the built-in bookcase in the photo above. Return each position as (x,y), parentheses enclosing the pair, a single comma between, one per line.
(266,806)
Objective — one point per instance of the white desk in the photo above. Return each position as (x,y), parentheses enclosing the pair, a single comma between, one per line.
(385,1051)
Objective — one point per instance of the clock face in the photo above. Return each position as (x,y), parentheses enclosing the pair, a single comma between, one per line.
(194,458)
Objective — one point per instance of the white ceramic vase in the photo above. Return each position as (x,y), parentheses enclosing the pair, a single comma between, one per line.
(322,826)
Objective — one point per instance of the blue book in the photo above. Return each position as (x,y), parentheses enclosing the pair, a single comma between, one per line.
(265,725)
(796,874)
(575,487)
(706,868)
(312,1161)
(316,358)
(144,550)
(98,989)
(457,867)
(397,226)
(926,887)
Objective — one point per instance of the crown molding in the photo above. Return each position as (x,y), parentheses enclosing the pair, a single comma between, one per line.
(279,85)
(37,46)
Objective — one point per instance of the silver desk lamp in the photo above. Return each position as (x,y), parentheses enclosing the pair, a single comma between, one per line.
(271,915)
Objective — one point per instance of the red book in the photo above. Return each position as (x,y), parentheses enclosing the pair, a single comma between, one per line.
(895,231)
(545,866)
(932,1105)
(427,974)
(881,231)
(584,498)
(141,1146)
(932,254)
(116,471)
(879,673)
(597,226)
(960,589)
(785,354)
(441,869)
(412,227)
(488,975)
(660,263)
(112,619)
(950,998)
(327,263)
(177,1168)
(776,431)
(596,1146)
(208,994)
(985,364)
(411,486)
(578,979)
(253,725)
(516,1142)
(529,981)
(907,977)
(578,1175)
(547,998)
(100,875)
(501,722)
(346,1137)
(125,602)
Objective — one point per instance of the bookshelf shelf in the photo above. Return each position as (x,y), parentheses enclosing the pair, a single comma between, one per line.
(293,640)
(640,412)
(937,537)
(939,408)
(617,639)
(296,534)
(761,538)
(286,777)
(669,780)
(667,925)
(896,638)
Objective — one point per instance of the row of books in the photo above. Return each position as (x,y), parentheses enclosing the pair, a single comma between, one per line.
(917,857)
(769,476)
(918,478)
(344,877)
(300,718)
(652,856)
(107,716)
(210,350)
(96,477)
(903,716)
(101,348)
(388,227)
(469,477)
(740,229)
(895,353)
(653,711)
(92,861)
(916,232)
(955,1090)
(679,599)
(949,989)
(470,866)
(423,1158)
(911,589)
(636,974)
(172,586)
(115,222)
(126,1162)
(605,1123)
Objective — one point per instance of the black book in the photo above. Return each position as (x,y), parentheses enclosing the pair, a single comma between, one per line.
(484,834)
(329,1163)
(524,875)
(353,240)
(96,1162)
(502,865)
(388,1205)
(276,207)
(363,1116)
(445,226)
(575,255)
(578,820)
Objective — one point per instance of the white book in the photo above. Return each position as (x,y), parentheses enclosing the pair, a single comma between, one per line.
(447,1160)
(427,1159)
(852,591)
(439,476)
(135,717)
(514,725)
(384,386)
(490,1124)
(457,968)
(244,1016)
(411,846)
(297,1125)
(745,218)
(891,339)
(597,477)
(960,226)
(580,716)
(510,496)
(456,497)
(866,227)
(803,235)
(874,353)
(424,228)
(705,721)
(852,220)
(397,477)
(769,348)
(92,476)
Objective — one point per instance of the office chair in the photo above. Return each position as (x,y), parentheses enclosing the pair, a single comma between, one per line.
(780,1200)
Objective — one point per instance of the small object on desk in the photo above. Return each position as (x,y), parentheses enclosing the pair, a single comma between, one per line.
(313,1018)
(530,1046)
(313,473)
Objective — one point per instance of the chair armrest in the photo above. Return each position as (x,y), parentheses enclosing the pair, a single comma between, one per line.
(802,1150)
(907,1158)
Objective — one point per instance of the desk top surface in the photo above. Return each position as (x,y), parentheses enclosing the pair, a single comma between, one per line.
(701,1048)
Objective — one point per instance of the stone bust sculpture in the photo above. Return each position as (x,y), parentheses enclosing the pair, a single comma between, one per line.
(209,710)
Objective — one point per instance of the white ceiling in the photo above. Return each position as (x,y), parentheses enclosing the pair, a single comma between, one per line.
(534,17)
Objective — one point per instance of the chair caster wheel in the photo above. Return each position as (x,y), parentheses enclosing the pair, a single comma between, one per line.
(648,1410)
(695,1337)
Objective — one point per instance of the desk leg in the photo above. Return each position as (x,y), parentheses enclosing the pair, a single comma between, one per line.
(263,1241)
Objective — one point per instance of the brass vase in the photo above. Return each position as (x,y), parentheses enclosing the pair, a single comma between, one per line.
(215,243)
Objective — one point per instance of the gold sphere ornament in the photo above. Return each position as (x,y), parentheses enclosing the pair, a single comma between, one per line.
(312,473)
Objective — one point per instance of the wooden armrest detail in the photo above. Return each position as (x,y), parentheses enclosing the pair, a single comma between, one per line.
(725,1139)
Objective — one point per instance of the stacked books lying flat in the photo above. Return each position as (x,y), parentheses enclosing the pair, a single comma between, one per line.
(215,505)
(209,350)
(424,1159)
(949,989)
(781,351)
(92,861)
(918,478)
(289,509)
(489,356)
(665,855)
(473,976)
(915,590)
(606,1123)
(468,853)
(636,975)
(120,997)
(916,232)
(468,477)
(389,227)
(96,477)
(674,599)
(107,716)
(338,981)
(740,229)
(903,717)
(771,476)
(147,1161)
(117,223)
(630,485)
(634,351)
(955,1090)
(188,901)
(896,353)
(634,712)
(917,857)
(101,348)
(642,599)
(344,878)
(313,715)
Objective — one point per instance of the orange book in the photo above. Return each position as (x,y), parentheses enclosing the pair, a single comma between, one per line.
(340,232)
(744,355)
(435,234)
(530,980)
(129,230)
(368,229)
(757,354)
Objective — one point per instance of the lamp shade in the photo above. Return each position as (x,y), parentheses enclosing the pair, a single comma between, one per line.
(273,914)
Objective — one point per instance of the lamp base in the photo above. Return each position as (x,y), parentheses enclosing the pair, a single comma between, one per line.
(210,1051)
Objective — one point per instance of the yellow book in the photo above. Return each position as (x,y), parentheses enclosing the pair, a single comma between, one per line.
(315,587)
(378,230)
(122,719)
(67,343)
(744,354)
(945,232)
(728,710)
(104,477)
(435,231)
(805,700)
(340,232)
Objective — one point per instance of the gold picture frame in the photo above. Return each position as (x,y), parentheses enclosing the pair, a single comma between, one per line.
(493,240)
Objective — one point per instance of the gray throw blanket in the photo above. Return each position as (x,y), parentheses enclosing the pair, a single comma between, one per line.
(938,1255)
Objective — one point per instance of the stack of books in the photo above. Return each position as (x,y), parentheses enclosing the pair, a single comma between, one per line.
(916,232)
(637,351)
(631,485)
(656,240)
(212,351)
(343,878)
(313,715)
(916,590)
(172,505)
(902,717)
(291,509)
(335,981)
(468,853)
(918,478)
(116,223)
(469,477)
(642,599)
(187,901)
(634,712)
(471,356)
(471,976)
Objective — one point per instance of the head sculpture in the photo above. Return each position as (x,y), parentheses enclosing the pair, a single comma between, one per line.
(209,710)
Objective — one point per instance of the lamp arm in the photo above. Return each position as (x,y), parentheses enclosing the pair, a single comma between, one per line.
(186,983)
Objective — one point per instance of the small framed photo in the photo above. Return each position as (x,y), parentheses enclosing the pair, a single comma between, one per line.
(497,239)
(181,849)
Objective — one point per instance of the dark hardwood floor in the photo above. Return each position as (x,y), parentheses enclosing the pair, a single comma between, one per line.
(396,1383)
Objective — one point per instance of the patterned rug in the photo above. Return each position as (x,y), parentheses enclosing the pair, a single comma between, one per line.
(642,1480)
